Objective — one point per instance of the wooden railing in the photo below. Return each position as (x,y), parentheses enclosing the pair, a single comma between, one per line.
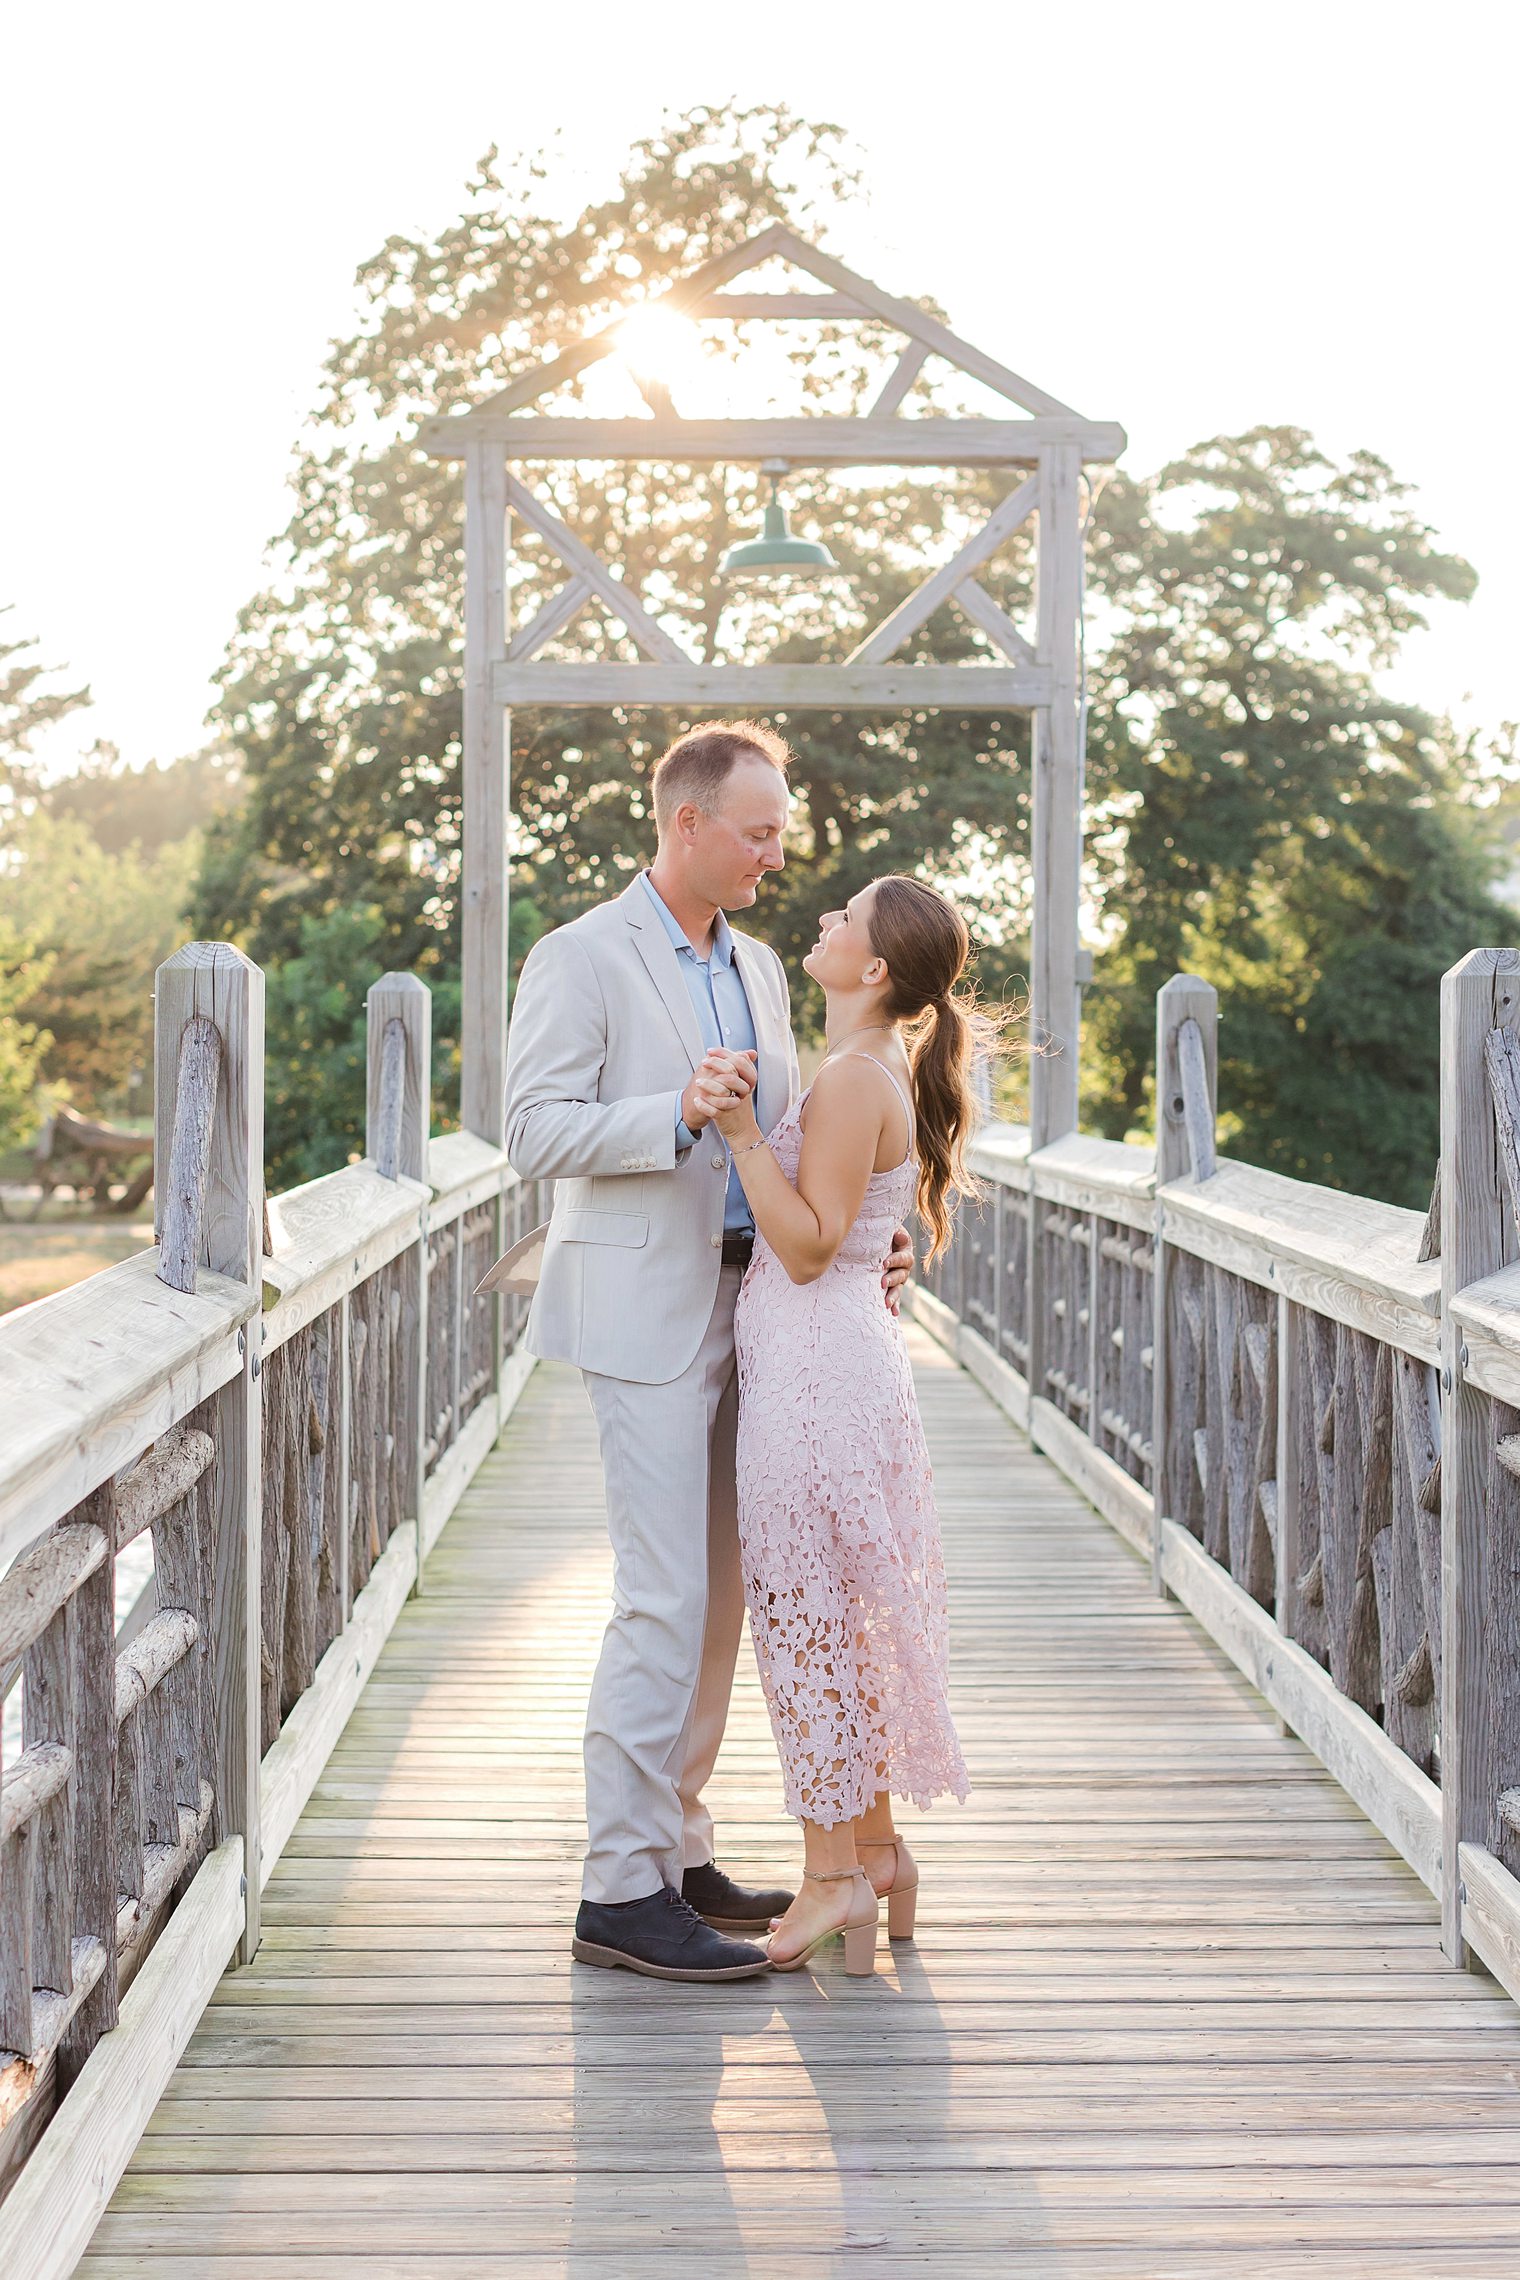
(289,1402)
(1303,1408)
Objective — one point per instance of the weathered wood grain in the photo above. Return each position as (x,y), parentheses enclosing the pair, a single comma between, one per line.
(485,766)
(95,1754)
(1084,1173)
(1199,1080)
(1155,1938)
(1348,1257)
(398,1061)
(210,986)
(46,2222)
(1491,1914)
(39,1775)
(43,1581)
(1478,1237)
(1056,807)
(92,1375)
(331,1235)
(183,1169)
(160,1477)
(981,688)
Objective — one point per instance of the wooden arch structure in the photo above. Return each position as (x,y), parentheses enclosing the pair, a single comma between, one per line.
(1037,669)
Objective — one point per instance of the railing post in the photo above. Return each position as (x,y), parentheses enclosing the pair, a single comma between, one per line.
(1185,1003)
(208,1111)
(1056,766)
(397,1116)
(484,770)
(1056,803)
(398,1069)
(1286,1547)
(1480,994)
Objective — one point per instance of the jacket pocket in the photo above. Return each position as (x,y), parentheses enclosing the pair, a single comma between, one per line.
(629,1229)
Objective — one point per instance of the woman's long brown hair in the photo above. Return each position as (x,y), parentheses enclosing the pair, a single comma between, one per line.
(924,941)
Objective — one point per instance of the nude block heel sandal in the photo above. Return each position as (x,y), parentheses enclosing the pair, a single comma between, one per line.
(859,1927)
(901,1895)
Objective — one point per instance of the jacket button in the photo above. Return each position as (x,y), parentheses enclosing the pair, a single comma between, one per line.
(717,1242)
(717,1163)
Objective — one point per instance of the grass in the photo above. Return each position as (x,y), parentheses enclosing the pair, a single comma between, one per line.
(40,1256)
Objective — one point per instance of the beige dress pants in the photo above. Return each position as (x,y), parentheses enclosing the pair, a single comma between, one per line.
(659,1700)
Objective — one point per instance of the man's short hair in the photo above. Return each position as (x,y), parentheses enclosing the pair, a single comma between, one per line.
(699,764)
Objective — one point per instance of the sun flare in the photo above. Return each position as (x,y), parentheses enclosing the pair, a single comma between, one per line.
(656,344)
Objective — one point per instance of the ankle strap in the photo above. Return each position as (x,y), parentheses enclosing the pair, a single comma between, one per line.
(832,1875)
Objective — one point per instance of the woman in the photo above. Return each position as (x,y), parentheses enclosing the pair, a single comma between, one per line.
(842,1563)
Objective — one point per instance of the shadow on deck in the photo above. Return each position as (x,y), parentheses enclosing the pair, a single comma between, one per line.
(1175,2007)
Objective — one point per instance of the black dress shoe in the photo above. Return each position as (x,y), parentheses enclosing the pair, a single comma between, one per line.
(727,1906)
(663,1938)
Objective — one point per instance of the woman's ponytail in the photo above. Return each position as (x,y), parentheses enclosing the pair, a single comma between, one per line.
(924,941)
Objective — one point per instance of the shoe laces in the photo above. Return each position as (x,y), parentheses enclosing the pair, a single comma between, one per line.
(683,1907)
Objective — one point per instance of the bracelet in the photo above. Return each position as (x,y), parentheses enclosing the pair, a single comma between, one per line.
(749,1148)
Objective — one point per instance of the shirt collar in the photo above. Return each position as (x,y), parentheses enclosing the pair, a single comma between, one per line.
(723,939)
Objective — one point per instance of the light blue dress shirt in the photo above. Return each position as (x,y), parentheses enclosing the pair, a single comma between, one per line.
(717,996)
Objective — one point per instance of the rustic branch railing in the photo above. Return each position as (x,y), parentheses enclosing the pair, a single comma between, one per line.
(290,1402)
(1304,1408)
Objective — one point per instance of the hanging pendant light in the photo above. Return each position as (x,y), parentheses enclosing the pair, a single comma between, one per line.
(776,553)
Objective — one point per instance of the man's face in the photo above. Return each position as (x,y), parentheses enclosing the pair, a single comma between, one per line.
(732,850)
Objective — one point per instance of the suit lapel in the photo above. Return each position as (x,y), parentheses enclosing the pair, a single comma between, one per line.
(658,953)
(770,1040)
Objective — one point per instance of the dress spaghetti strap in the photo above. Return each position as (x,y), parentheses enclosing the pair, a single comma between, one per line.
(897,1087)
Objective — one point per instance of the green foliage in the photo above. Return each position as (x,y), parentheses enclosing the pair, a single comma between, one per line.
(342,688)
(1265,819)
(27,705)
(22,1043)
(314,1076)
(1259,813)
(314,1027)
(97,868)
(102,923)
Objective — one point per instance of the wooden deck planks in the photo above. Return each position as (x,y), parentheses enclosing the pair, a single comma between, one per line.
(1175,2007)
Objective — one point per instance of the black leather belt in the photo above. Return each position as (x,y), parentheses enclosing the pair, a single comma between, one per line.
(739,1248)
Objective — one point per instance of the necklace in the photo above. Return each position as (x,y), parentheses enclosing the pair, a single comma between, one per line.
(869,1029)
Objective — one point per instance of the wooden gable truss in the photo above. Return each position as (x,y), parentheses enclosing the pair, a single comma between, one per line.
(1038,669)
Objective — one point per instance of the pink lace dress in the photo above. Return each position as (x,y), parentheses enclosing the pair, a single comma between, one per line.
(840,1539)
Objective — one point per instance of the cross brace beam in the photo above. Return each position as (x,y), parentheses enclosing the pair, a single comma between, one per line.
(811,442)
(749,688)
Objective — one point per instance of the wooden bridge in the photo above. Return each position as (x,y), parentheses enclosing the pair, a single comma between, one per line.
(287,1857)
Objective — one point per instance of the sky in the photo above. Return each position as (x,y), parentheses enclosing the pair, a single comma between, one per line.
(1187,218)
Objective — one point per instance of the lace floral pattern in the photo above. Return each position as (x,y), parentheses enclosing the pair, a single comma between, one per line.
(842,1565)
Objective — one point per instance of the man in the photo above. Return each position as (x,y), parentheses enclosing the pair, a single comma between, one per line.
(645,1251)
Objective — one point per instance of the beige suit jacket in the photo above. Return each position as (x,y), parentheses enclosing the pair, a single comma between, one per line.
(603,1041)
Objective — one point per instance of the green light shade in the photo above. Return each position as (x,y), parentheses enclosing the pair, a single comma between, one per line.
(775,553)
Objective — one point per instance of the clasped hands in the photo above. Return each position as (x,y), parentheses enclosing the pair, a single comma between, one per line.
(722,1092)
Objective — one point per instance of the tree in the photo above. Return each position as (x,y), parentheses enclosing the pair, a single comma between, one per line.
(27,705)
(1264,818)
(101,924)
(314,1064)
(1258,809)
(97,867)
(341,690)
(22,1044)
(147,808)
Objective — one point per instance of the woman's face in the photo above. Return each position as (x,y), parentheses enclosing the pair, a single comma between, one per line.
(843,956)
